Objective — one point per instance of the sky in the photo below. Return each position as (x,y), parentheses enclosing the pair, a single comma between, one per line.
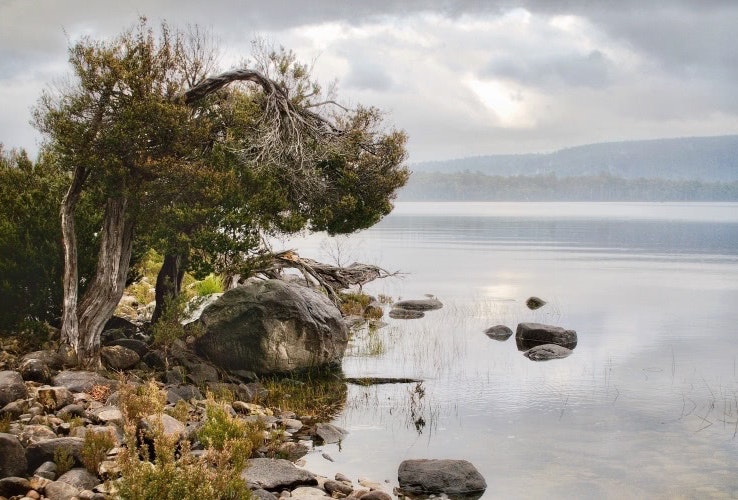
(462,78)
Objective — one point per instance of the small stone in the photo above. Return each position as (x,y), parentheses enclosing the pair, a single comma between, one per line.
(46,470)
(342,477)
(419,304)
(376,495)
(534,303)
(339,486)
(13,485)
(328,457)
(59,490)
(547,352)
(307,491)
(499,332)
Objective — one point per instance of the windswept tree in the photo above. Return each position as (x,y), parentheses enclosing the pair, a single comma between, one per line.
(200,161)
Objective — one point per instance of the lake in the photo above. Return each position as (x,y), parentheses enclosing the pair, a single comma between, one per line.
(645,407)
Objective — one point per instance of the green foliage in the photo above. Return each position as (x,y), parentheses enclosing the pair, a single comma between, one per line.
(181,411)
(63,459)
(137,402)
(174,473)
(30,252)
(168,328)
(95,448)
(211,284)
(221,429)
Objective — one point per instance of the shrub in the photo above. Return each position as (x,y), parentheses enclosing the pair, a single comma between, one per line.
(138,402)
(211,284)
(95,449)
(176,474)
(5,421)
(63,459)
(181,411)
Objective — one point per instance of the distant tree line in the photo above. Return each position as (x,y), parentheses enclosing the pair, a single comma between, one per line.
(476,186)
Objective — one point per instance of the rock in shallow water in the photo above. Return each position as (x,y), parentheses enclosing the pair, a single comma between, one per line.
(452,477)
(529,335)
(547,352)
(400,313)
(418,304)
(276,474)
(499,332)
(534,303)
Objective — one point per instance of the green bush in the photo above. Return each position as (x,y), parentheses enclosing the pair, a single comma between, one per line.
(95,448)
(64,460)
(211,284)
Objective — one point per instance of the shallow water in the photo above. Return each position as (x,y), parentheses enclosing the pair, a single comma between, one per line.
(646,406)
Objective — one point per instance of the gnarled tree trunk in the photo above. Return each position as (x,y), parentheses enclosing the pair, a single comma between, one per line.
(82,323)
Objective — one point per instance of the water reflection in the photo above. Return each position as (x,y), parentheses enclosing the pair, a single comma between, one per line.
(647,406)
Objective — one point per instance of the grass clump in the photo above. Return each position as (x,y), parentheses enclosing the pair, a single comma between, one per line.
(95,449)
(321,396)
(360,304)
(63,459)
(211,284)
(222,431)
(180,411)
(142,401)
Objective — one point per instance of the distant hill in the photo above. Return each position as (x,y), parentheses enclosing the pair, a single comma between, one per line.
(706,159)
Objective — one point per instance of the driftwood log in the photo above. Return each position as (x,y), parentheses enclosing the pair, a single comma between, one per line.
(331,278)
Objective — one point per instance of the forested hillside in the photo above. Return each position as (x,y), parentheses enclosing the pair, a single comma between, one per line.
(688,169)
(713,159)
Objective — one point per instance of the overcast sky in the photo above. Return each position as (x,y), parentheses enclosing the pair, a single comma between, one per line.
(462,78)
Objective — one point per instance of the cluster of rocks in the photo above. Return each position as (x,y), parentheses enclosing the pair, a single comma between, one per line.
(537,341)
(414,308)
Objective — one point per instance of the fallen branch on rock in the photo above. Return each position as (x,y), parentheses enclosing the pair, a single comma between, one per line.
(331,278)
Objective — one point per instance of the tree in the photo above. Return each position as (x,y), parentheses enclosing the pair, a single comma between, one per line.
(30,253)
(164,149)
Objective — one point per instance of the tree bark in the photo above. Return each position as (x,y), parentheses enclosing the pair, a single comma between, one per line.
(106,289)
(168,282)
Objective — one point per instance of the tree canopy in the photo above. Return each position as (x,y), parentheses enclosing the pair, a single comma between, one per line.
(200,163)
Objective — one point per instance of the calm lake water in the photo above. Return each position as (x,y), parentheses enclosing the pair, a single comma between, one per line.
(645,407)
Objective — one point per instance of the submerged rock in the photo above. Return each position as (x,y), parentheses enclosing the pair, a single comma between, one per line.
(452,477)
(529,335)
(547,352)
(499,332)
(330,433)
(400,313)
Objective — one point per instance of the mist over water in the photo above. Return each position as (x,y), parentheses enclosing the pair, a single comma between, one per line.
(647,404)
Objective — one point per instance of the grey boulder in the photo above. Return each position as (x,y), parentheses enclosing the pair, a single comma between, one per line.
(330,433)
(82,381)
(118,357)
(12,456)
(276,474)
(529,335)
(43,451)
(11,387)
(452,477)
(273,327)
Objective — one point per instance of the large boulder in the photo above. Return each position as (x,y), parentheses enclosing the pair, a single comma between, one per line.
(82,381)
(452,477)
(44,451)
(12,456)
(272,327)
(118,357)
(11,387)
(529,335)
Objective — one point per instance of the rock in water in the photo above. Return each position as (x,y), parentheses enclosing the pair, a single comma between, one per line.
(418,304)
(499,332)
(273,327)
(400,313)
(452,477)
(547,352)
(534,303)
(276,474)
(529,335)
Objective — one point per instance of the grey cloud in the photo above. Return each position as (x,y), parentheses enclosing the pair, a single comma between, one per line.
(368,77)
(588,70)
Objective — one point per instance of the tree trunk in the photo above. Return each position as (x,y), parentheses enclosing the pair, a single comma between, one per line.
(70,322)
(168,282)
(106,288)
